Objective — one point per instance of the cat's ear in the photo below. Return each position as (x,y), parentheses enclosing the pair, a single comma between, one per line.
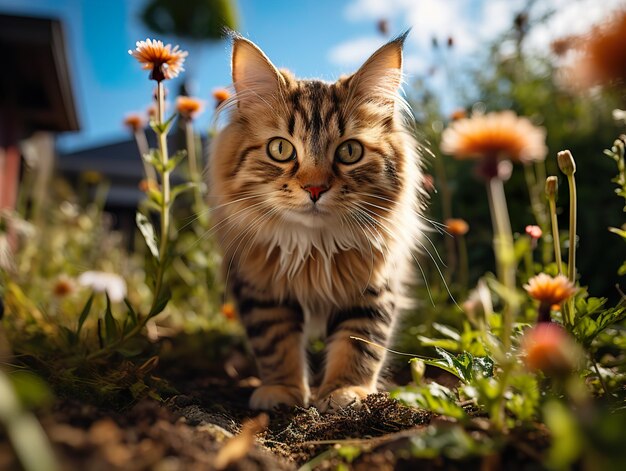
(253,73)
(382,72)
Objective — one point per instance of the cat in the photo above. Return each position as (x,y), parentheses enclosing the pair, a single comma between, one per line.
(316,195)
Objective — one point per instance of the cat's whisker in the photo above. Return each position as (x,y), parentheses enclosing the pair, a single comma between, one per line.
(194,217)
(382,226)
(242,237)
(438,226)
(428,238)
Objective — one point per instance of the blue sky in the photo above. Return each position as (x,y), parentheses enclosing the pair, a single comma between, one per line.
(316,38)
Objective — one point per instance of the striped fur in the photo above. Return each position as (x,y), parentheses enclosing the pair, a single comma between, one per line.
(336,267)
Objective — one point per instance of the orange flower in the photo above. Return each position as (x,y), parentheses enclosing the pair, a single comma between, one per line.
(189,107)
(63,286)
(498,135)
(549,290)
(134,122)
(550,349)
(457,114)
(220,95)
(148,185)
(603,55)
(229,311)
(534,232)
(457,227)
(163,61)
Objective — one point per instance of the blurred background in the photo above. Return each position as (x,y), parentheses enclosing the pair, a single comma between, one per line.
(70,83)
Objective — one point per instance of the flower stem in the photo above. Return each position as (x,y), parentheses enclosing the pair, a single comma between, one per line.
(165,201)
(504,253)
(571,256)
(555,235)
(142,146)
(537,206)
(194,174)
(165,229)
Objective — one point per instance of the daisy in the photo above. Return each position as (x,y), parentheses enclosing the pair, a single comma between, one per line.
(102,282)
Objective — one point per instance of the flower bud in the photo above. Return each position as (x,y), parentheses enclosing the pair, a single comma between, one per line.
(549,348)
(566,162)
(552,185)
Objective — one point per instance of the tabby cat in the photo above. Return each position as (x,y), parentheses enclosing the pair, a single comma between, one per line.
(315,195)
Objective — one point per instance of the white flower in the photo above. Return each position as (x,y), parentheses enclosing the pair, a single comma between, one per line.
(99,281)
(619,115)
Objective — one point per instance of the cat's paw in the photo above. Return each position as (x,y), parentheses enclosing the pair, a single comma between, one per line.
(348,396)
(271,396)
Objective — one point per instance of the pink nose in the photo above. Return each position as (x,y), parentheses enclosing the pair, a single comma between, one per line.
(315,191)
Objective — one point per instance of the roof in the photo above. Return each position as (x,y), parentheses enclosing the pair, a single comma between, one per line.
(37,92)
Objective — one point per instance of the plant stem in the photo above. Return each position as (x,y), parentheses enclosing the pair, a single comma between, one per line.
(194,174)
(165,229)
(142,147)
(504,253)
(555,235)
(165,202)
(571,255)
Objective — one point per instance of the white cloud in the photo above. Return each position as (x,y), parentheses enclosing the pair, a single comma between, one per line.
(471,23)
(570,18)
(354,52)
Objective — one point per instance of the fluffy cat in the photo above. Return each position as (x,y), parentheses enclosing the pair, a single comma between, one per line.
(315,195)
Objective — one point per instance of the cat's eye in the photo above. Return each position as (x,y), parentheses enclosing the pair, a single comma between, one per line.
(281,149)
(349,152)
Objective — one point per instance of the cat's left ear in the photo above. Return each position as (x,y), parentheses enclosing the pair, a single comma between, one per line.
(382,72)
(252,71)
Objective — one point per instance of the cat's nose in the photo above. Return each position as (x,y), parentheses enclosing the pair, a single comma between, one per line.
(315,192)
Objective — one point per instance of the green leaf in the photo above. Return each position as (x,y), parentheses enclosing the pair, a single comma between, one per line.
(464,366)
(161,302)
(84,313)
(164,127)
(349,453)
(131,312)
(146,229)
(178,189)
(156,197)
(522,245)
(69,335)
(110,325)
(153,157)
(483,366)
(567,442)
(173,161)
(31,389)
(433,397)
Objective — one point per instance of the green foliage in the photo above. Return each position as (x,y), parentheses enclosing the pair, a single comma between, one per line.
(591,319)
(464,366)
(193,19)
(433,397)
(452,442)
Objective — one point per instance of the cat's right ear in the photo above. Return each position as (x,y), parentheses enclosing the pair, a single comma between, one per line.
(254,75)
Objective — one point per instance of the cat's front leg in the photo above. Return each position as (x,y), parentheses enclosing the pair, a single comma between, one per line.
(275,333)
(352,366)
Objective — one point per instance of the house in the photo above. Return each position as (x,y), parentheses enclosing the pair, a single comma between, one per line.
(36,100)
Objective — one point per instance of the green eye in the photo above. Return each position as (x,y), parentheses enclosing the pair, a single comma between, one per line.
(349,152)
(281,149)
